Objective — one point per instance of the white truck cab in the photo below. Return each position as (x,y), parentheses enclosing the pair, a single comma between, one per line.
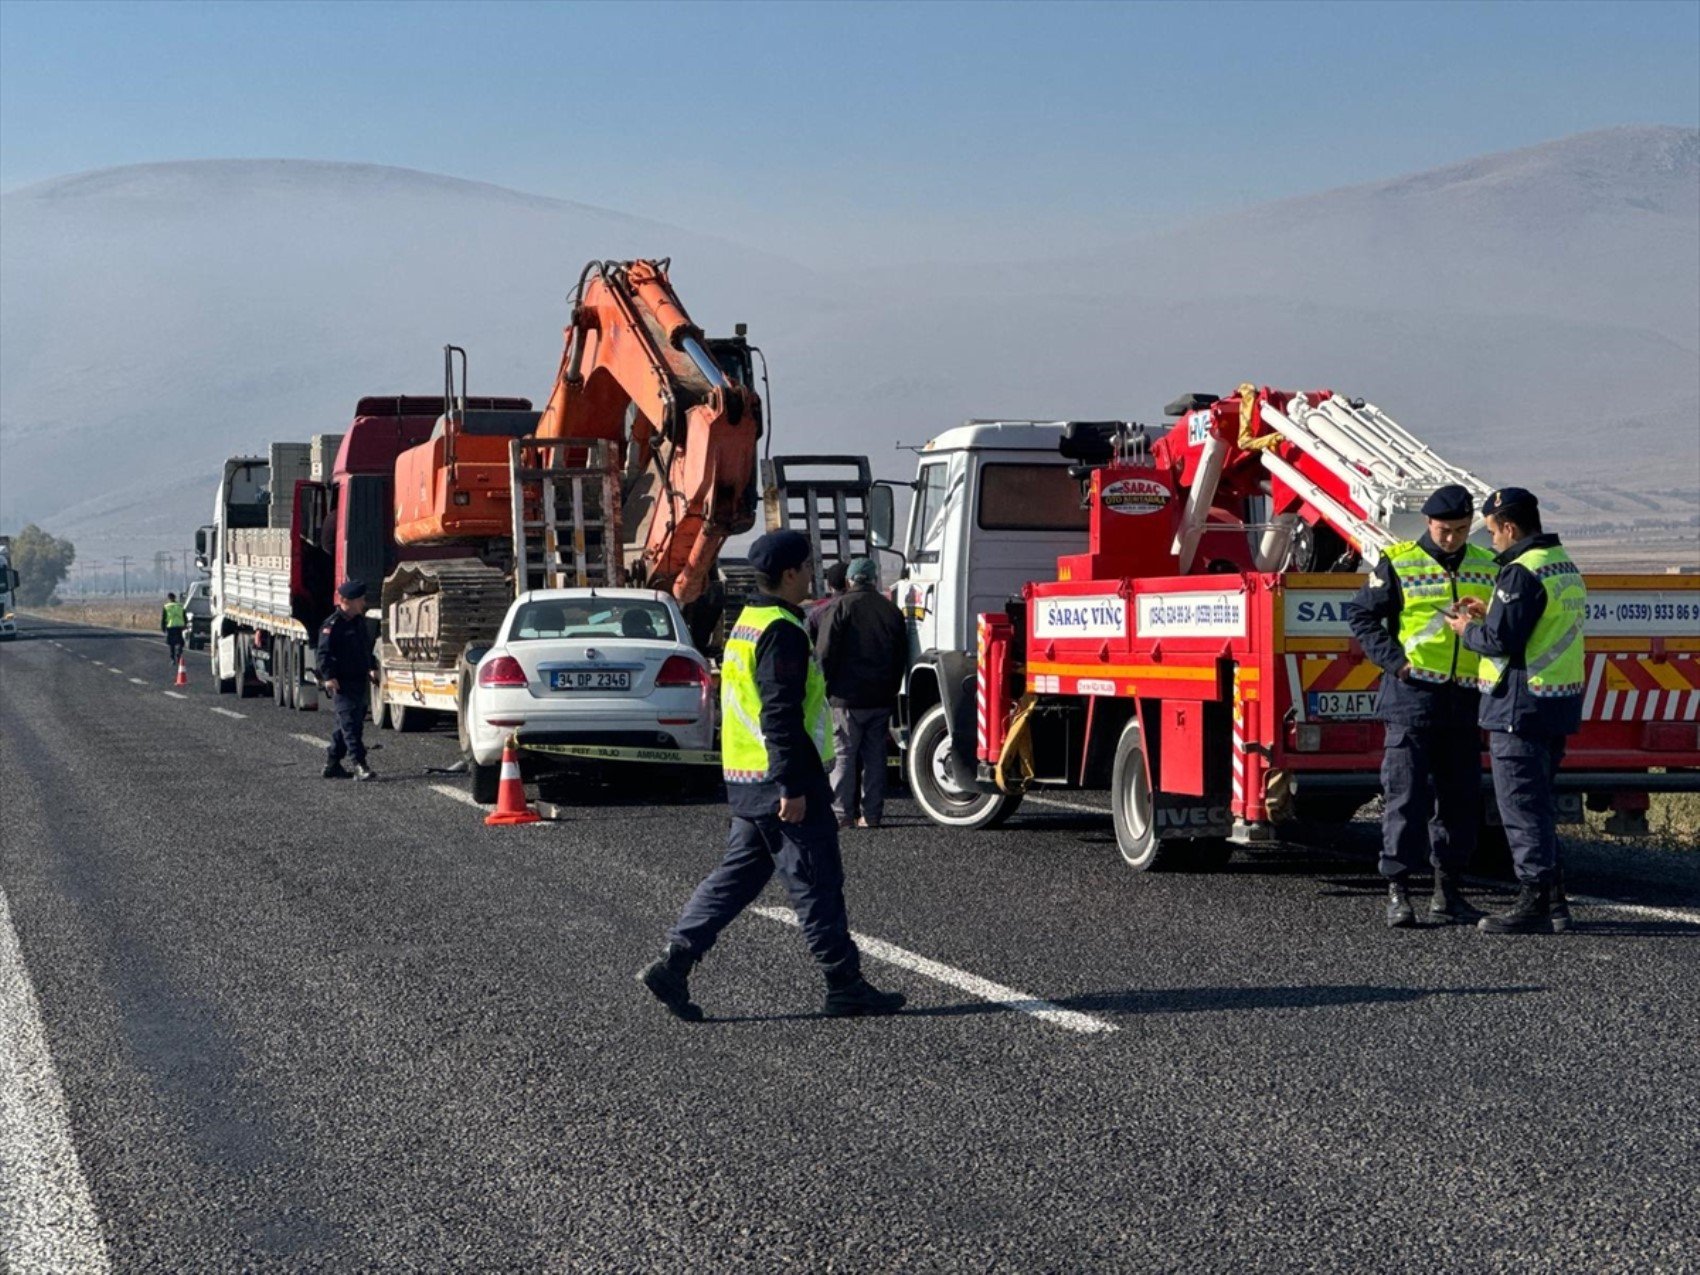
(1002,488)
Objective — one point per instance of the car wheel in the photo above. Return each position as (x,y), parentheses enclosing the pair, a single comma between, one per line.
(486,780)
(943,801)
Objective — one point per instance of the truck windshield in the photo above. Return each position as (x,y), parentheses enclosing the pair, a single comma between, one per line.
(603,619)
(1030,498)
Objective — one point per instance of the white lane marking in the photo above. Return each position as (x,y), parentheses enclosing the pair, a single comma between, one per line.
(228,712)
(1060,804)
(457,794)
(138,681)
(47,1217)
(314,740)
(175,694)
(973,984)
(114,669)
(1663,914)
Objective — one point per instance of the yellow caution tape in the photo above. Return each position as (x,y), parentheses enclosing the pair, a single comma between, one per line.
(617,752)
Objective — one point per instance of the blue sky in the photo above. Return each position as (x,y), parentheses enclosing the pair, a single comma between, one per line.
(982,129)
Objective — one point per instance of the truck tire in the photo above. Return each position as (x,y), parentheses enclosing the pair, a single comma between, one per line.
(247,686)
(223,685)
(1132,806)
(408,718)
(941,800)
(378,708)
(280,670)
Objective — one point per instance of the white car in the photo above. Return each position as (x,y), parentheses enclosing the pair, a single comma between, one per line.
(587,666)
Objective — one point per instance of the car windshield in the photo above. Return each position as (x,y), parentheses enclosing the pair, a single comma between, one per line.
(606,619)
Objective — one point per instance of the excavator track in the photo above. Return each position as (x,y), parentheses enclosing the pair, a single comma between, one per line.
(433,609)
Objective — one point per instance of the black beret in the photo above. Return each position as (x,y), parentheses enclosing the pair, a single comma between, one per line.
(1450,501)
(351,589)
(779,551)
(1510,498)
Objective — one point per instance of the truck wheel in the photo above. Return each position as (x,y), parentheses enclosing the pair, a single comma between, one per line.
(222,684)
(1132,807)
(486,780)
(407,718)
(246,684)
(943,801)
(280,669)
(379,709)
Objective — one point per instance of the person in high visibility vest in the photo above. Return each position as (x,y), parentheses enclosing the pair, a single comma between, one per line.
(1530,640)
(173,619)
(1431,760)
(775,746)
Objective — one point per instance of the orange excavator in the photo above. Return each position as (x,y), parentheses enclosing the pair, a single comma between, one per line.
(638,379)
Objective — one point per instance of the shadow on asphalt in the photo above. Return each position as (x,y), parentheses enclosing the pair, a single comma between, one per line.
(1187,1000)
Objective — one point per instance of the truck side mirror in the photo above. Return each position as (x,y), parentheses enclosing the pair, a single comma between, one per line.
(882,516)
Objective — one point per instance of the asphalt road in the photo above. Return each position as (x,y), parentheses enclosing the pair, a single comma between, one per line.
(310,1025)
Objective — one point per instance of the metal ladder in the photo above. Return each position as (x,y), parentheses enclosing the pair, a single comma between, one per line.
(1387,471)
(566,513)
(830,508)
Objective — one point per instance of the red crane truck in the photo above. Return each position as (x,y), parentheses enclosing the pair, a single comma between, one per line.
(1188,653)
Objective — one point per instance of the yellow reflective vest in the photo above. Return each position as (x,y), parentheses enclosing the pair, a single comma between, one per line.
(743,747)
(1427,589)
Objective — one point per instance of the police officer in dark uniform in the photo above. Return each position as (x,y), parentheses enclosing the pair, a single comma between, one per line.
(776,746)
(1530,639)
(1431,770)
(346,666)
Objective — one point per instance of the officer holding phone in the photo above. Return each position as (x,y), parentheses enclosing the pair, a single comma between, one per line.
(1431,761)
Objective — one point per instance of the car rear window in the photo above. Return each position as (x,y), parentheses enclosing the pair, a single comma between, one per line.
(631,620)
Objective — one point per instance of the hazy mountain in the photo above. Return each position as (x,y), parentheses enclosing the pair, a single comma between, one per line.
(1536,315)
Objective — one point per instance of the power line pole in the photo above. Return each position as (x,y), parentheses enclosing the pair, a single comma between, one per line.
(124,562)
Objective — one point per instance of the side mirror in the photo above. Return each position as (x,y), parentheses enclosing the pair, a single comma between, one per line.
(882,516)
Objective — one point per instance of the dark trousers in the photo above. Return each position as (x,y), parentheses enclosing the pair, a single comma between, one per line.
(1431,784)
(349,739)
(174,643)
(806,856)
(858,764)
(1524,768)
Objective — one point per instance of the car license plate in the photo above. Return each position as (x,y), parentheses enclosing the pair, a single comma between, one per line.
(1341,703)
(575,679)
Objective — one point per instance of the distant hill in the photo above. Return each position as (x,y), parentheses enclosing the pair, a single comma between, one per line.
(1535,315)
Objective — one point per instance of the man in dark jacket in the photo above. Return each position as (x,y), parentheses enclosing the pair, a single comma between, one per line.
(1532,672)
(346,666)
(775,744)
(864,650)
(1431,770)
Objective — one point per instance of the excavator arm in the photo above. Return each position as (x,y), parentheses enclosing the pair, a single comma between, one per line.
(636,371)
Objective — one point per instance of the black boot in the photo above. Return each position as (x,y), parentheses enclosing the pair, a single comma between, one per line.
(334,770)
(1400,914)
(849,995)
(1531,914)
(1449,906)
(669,982)
(1560,903)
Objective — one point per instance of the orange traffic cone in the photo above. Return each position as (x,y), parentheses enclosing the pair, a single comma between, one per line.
(182,673)
(510,797)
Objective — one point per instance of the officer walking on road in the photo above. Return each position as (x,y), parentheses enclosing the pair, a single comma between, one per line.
(1431,768)
(864,650)
(776,745)
(173,619)
(1530,640)
(346,666)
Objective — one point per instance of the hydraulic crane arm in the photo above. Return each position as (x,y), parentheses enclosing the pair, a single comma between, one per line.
(637,371)
(1320,458)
